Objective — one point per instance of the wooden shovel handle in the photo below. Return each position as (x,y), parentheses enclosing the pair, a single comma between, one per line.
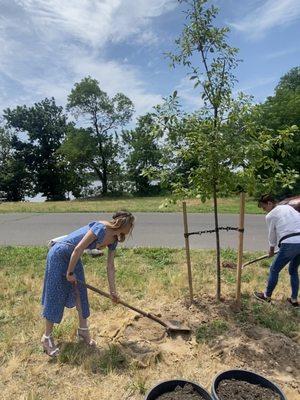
(258,259)
(107,295)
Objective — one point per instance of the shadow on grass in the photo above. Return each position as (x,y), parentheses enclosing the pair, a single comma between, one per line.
(93,359)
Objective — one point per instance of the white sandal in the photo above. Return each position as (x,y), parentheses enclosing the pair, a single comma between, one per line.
(49,346)
(85,338)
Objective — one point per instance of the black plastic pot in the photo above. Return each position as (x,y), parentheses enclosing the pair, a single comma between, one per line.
(247,376)
(169,386)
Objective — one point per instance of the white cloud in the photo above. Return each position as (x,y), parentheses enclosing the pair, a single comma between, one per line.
(281,53)
(191,97)
(270,14)
(115,77)
(249,86)
(48,45)
(95,22)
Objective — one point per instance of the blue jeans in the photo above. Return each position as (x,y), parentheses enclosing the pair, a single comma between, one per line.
(288,253)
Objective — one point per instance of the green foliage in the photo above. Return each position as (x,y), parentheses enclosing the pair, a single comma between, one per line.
(15,178)
(38,131)
(280,117)
(211,330)
(202,37)
(100,143)
(143,152)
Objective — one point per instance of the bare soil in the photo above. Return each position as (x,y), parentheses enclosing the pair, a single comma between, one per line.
(187,392)
(252,347)
(230,389)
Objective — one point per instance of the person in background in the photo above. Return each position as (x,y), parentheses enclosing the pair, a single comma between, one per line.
(283,223)
(64,266)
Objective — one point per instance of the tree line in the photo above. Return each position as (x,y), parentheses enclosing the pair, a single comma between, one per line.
(229,144)
(46,149)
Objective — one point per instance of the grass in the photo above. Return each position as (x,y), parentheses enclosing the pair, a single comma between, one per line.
(146,278)
(93,360)
(134,204)
(210,331)
(266,315)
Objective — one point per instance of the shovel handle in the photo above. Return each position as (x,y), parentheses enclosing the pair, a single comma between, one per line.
(107,295)
(258,259)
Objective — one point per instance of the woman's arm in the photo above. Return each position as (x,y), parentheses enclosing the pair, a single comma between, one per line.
(111,275)
(88,238)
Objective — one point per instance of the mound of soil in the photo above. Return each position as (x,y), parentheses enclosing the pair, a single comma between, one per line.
(230,389)
(187,392)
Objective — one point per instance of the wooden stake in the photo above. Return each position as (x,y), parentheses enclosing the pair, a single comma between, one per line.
(187,250)
(240,251)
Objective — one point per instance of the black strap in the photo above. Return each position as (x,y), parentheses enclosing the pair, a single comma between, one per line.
(288,236)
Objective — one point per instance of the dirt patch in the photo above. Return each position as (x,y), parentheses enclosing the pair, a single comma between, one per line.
(230,389)
(149,347)
(187,392)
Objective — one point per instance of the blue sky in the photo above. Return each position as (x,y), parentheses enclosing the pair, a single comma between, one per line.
(48,45)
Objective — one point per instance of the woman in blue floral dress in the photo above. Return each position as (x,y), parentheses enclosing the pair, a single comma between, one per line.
(64,265)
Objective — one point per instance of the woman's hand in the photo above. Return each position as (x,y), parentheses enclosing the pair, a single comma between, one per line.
(114,297)
(71,278)
(271,252)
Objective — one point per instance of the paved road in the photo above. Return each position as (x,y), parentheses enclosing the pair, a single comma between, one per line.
(151,230)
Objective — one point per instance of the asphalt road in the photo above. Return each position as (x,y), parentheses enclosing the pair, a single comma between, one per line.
(151,229)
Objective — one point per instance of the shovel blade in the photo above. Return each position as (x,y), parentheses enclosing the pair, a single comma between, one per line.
(176,327)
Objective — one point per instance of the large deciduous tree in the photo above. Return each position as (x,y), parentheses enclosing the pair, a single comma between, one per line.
(142,152)
(105,115)
(15,179)
(281,112)
(38,132)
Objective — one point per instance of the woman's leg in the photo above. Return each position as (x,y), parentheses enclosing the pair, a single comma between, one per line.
(47,341)
(283,257)
(48,327)
(83,330)
(294,276)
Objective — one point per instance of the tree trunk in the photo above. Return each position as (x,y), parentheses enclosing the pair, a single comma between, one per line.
(218,292)
(104,181)
(216,172)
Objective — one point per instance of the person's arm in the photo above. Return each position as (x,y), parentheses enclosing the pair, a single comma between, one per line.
(111,275)
(88,238)
(272,236)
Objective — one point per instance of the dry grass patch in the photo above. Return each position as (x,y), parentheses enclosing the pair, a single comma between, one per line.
(133,352)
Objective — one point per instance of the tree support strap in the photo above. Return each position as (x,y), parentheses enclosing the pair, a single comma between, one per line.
(221,228)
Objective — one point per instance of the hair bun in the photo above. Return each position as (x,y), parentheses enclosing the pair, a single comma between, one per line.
(120,214)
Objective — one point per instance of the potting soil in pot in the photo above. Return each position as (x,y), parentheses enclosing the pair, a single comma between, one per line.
(231,389)
(187,392)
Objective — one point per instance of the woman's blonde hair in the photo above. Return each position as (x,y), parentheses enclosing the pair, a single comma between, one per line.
(121,219)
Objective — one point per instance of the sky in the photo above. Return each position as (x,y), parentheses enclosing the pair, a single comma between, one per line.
(48,45)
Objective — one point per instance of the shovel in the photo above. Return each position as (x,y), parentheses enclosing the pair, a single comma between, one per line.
(257,259)
(168,325)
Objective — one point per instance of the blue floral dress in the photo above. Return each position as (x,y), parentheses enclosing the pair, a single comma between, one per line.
(58,292)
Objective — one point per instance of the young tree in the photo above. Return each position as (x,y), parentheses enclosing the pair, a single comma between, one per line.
(224,147)
(105,116)
(203,49)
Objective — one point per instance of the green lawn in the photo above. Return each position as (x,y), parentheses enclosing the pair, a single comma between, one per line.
(134,204)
